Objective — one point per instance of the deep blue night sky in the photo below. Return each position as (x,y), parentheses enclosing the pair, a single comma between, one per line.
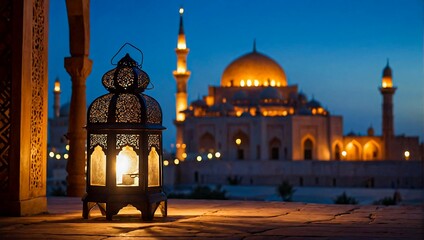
(334,50)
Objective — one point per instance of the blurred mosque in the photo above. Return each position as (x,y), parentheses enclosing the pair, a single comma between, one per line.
(256,115)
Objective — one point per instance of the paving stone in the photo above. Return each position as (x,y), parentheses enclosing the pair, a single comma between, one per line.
(205,219)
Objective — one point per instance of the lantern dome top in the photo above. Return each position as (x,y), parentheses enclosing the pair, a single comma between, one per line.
(126,77)
(125,104)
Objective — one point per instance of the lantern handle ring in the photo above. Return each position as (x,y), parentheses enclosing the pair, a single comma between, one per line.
(142,55)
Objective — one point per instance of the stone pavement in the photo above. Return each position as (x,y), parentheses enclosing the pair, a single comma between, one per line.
(213,219)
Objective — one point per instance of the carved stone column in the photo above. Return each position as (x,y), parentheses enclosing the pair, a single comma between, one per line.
(79,68)
(23,106)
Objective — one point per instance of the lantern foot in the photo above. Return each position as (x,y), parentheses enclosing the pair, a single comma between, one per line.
(163,206)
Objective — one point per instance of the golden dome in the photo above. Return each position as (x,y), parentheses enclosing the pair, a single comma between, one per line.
(253,69)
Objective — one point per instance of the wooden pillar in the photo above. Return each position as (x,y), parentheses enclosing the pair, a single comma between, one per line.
(79,67)
(23,106)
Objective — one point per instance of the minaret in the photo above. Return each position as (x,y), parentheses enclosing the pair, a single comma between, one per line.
(181,75)
(56,92)
(387,90)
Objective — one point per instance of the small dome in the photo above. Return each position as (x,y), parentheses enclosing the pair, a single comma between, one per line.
(301,98)
(271,93)
(199,103)
(304,111)
(221,107)
(246,114)
(126,77)
(125,105)
(370,131)
(65,109)
(256,68)
(313,104)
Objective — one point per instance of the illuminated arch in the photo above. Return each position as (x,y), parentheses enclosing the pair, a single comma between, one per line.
(353,150)
(372,151)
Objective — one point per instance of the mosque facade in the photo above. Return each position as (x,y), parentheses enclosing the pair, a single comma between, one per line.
(256,115)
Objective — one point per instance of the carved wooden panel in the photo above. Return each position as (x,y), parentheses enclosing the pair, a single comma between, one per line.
(38,94)
(5,89)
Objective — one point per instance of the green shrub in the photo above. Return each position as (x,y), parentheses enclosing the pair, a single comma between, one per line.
(286,191)
(345,199)
(386,201)
(202,192)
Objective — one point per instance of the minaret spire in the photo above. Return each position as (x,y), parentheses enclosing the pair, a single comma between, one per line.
(387,90)
(181,29)
(181,76)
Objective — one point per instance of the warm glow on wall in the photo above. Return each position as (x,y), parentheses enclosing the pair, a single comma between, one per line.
(256,82)
(344,153)
(272,83)
(184,155)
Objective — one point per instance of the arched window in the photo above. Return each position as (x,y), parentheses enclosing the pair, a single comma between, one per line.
(307,149)
(241,144)
(371,151)
(207,143)
(337,152)
(274,149)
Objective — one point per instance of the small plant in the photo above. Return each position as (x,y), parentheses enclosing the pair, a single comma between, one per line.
(386,201)
(202,192)
(205,192)
(236,180)
(345,199)
(286,191)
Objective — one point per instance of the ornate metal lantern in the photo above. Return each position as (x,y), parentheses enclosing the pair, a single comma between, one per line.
(124,146)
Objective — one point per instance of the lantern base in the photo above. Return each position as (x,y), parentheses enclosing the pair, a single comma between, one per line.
(109,206)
